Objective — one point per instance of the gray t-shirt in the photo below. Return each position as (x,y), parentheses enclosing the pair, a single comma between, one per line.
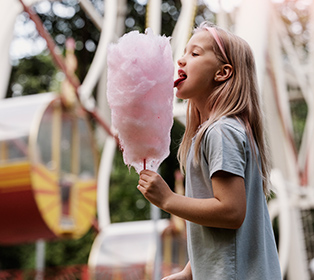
(248,253)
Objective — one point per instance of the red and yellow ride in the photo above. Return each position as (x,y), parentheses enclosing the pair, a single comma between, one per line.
(48,167)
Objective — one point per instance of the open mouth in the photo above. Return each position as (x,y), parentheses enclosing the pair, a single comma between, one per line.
(182,77)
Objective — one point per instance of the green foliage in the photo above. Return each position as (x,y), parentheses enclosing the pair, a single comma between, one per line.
(136,16)
(298,112)
(17,256)
(33,75)
(126,202)
(171,164)
(69,252)
(58,253)
(170,14)
(135,19)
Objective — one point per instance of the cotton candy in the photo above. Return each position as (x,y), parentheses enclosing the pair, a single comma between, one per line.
(140,96)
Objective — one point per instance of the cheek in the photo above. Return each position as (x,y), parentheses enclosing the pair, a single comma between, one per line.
(207,78)
(202,81)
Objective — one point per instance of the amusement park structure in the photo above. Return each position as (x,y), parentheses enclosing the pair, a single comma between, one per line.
(54,186)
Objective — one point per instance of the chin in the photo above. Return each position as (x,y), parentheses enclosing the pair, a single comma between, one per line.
(180,94)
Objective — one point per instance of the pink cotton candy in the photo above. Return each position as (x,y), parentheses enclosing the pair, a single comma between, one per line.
(140,95)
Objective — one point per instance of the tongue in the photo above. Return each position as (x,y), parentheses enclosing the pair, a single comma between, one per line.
(178,81)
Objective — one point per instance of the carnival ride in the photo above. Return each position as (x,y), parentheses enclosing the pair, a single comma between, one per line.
(285,65)
(48,170)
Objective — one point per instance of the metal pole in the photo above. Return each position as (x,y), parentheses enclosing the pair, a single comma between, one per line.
(40,259)
(155,216)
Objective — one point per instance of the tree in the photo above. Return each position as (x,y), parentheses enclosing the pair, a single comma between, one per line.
(34,75)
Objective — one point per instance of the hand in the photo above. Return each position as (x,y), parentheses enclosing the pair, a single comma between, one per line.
(185,274)
(154,188)
(178,276)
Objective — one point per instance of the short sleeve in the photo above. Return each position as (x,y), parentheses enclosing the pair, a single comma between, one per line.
(224,148)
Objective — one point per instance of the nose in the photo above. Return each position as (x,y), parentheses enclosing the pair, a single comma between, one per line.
(181,61)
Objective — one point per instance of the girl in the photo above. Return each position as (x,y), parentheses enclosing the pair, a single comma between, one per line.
(224,157)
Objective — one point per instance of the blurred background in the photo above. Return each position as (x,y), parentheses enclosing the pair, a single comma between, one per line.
(74,209)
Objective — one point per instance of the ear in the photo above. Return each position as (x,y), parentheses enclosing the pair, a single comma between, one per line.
(224,73)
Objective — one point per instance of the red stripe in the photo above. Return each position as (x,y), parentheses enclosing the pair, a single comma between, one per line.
(15,188)
(44,176)
(46,192)
(50,206)
(87,189)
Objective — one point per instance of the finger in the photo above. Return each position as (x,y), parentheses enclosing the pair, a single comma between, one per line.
(147,172)
(142,182)
(144,171)
(140,188)
(142,177)
(145,178)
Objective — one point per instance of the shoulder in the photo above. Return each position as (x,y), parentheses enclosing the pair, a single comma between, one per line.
(226,127)
(225,146)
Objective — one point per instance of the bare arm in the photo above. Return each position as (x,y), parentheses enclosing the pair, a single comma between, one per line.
(226,210)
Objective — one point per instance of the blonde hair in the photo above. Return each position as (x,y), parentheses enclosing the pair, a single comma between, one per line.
(236,97)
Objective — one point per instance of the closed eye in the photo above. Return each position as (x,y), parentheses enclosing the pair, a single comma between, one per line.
(195,54)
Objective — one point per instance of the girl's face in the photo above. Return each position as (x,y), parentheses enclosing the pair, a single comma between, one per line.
(197,68)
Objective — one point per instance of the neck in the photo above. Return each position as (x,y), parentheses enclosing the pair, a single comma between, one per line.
(203,113)
(204,119)
(200,105)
